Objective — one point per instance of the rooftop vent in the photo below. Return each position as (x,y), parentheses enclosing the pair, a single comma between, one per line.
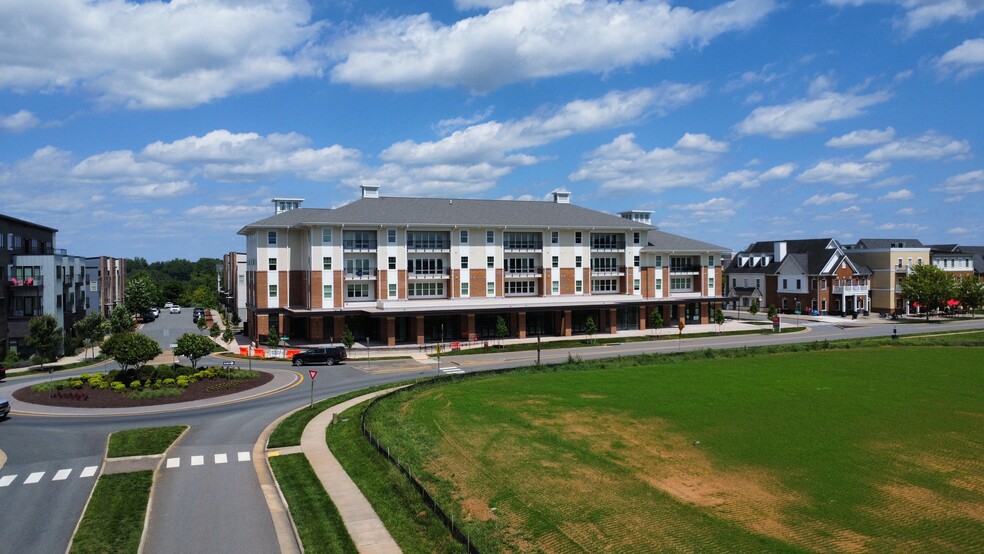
(562,196)
(370,191)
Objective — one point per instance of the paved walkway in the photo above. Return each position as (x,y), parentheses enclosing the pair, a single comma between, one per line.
(365,527)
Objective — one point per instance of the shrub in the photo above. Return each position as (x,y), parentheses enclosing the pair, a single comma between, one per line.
(182,381)
(158,383)
(168,382)
(118,387)
(75,384)
(135,384)
(85,377)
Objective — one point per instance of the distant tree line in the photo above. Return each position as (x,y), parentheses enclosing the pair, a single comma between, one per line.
(180,281)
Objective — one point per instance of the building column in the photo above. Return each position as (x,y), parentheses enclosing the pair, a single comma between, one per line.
(417,328)
(389,330)
(521,325)
(705,313)
(666,313)
(316,330)
(338,325)
(643,319)
(513,324)
(565,323)
(612,320)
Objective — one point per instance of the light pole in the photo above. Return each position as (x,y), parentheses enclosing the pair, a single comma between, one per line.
(368,359)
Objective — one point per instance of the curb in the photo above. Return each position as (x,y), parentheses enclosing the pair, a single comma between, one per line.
(153,487)
(287,536)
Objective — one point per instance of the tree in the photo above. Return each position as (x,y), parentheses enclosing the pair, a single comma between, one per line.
(141,294)
(501,329)
(45,337)
(201,326)
(590,328)
(130,350)
(348,339)
(719,318)
(121,320)
(773,312)
(273,339)
(928,286)
(227,335)
(194,347)
(91,329)
(753,308)
(656,320)
(970,293)
(214,331)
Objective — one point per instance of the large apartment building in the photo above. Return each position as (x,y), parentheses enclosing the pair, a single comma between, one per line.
(412,270)
(106,283)
(890,261)
(232,284)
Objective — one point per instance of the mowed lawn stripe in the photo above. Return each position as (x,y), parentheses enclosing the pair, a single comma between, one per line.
(835,450)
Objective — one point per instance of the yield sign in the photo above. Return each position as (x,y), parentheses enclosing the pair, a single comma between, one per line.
(313,373)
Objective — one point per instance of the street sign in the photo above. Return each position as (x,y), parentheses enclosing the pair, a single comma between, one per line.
(174,345)
(313,373)
(229,363)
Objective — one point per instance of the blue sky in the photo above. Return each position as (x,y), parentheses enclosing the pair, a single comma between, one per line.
(159,129)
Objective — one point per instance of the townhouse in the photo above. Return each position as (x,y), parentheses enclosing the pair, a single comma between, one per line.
(799,276)
(890,261)
(414,270)
(105,284)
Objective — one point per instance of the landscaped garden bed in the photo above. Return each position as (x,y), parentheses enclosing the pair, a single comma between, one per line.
(148,386)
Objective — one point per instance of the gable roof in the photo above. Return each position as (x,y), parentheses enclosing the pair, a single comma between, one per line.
(812,256)
(451,212)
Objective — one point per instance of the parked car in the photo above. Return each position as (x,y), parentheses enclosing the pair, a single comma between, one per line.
(330,355)
(175,309)
(3,372)
(148,317)
(167,305)
(156,312)
(197,313)
(4,408)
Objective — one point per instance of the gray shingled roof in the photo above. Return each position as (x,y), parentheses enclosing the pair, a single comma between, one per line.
(661,241)
(450,212)
(888,243)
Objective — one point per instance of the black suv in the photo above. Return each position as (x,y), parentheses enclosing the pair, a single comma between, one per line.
(330,355)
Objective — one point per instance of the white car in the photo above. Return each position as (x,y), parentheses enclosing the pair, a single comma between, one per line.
(175,309)
(168,305)
(156,312)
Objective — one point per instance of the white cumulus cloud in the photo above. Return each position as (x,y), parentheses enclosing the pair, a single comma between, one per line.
(964,60)
(964,183)
(901,194)
(922,14)
(863,137)
(842,173)
(19,122)
(530,39)
(807,115)
(154,54)
(824,199)
(928,146)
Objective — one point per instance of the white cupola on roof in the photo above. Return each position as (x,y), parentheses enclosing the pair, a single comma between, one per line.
(281,205)
(639,216)
(370,191)
(562,197)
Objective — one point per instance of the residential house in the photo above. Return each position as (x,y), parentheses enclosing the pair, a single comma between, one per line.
(890,261)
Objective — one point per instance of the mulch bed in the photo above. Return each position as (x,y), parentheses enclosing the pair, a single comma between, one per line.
(91,398)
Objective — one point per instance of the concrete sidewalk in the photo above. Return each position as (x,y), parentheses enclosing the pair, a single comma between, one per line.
(365,527)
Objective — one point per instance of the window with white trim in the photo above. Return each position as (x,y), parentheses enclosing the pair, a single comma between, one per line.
(464,236)
(578,285)
(489,237)
(681,284)
(555,261)
(272,264)
(604,285)
(272,238)
(490,262)
(464,262)
(392,290)
(659,286)
(357,290)
(391,262)
(577,261)
(659,262)
(464,288)
(326,263)
(272,291)
(555,287)
(577,237)
(490,288)
(636,284)
(326,291)
(326,235)
(391,236)
(554,237)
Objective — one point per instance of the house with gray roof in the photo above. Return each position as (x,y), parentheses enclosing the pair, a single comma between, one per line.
(812,275)
(415,270)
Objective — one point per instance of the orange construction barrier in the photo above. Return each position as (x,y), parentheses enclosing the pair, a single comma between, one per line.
(244,351)
(259,352)
(293,352)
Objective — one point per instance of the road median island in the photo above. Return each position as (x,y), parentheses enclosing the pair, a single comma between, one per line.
(115,516)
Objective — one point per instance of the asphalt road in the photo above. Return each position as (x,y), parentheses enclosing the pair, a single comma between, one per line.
(211,502)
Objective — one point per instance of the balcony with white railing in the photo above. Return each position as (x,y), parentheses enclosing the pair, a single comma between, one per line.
(608,271)
(427,274)
(367,274)
(851,289)
(522,273)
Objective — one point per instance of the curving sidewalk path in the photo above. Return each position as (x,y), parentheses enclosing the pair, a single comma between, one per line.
(362,522)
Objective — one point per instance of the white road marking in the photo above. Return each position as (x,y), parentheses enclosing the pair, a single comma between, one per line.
(197,460)
(244,456)
(6,480)
(173,463)
(61,475)
(221,458)
(34,478)
(89,471)
(451,370)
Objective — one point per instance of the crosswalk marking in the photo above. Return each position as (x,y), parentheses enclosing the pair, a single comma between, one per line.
(89,471)
(197,460)
(221,458)
(34,478)
(62,475)
(7,480)
(451,370)
(244,456)
(173,463)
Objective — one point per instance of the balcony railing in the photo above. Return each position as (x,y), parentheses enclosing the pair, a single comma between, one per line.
(903,269)
(608,244)
(357,244)
(613,271)
(428,245)
(429,273)
(357,274)
(851,289)
(527,245)
(685,269)
(26,281)
(523,272)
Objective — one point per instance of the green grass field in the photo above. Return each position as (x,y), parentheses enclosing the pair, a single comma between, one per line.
(864,449)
